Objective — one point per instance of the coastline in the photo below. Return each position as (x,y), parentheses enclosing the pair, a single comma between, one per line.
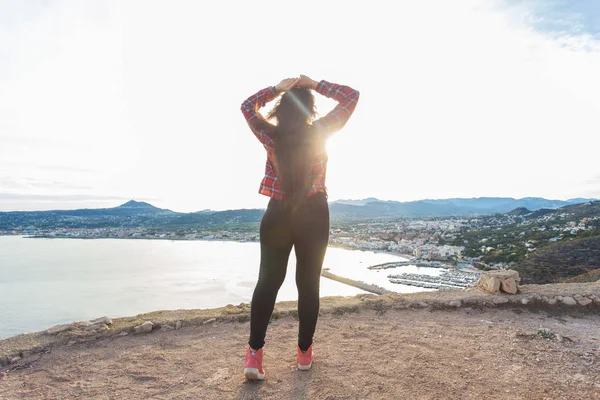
(208,273)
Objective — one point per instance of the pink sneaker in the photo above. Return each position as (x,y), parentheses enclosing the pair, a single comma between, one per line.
(253,369)
(305,359)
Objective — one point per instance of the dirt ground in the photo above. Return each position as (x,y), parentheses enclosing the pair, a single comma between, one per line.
(400,354)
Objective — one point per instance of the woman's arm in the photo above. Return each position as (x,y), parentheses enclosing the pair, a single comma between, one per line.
(346,97)
(259,126)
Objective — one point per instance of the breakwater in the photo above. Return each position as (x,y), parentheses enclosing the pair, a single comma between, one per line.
(359,284)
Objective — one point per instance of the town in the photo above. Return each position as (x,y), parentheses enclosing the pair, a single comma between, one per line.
(460,245)
(450,239)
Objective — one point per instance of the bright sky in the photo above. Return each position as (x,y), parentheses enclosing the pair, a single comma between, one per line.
(105,101)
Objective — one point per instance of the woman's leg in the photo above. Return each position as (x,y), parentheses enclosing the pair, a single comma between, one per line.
(275,247)
(311,236)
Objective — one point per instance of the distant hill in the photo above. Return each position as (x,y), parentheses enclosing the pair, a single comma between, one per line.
(519,211)
(130,214)
(139,206)
(132,207)
(357,202)
(137,213)
(444,207)
(584,209)
(219,217)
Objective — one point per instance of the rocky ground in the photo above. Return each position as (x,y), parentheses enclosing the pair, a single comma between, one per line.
(443,345)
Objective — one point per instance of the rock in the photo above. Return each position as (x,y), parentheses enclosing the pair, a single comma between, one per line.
(514,299)
(104,320)
(366,296)
(489,283)
(493,281)
(568,300)
(58,329)
(25,354)
(123,333)
(559,338)
(469,300)
(509,286)
(71,343)
(15,359)
(100,326)
(597,300)
(584,301)
(551,301)
(178,325)
(525,300)
(210,321)
(146,327)
(545,299)
(559,298)
(166,327)
(455,303)
(82,324)
(220,375)
(577,297)
(592,296)
(500,300)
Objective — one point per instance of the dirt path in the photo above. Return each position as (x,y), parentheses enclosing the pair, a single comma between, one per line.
(402,354)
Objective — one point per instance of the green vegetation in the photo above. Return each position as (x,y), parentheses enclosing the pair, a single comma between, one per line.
(545,246)
(590,276)
(560,261)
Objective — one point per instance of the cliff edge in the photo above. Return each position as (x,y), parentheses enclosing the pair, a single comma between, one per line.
(543,342)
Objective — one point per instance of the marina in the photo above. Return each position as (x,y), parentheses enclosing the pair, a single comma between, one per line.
(449,279)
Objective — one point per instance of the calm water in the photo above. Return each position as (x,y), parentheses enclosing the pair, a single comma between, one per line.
(44,282)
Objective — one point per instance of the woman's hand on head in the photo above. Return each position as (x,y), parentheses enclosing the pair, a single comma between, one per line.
(306,82)
(286,84)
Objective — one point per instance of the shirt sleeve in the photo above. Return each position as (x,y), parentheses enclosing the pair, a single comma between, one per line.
(259,126)
(347,99)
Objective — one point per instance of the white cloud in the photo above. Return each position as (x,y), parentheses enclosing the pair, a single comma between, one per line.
(458,99)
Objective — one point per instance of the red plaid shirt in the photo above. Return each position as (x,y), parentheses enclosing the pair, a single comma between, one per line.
(332,122)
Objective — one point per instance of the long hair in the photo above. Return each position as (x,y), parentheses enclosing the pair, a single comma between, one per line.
(296,143)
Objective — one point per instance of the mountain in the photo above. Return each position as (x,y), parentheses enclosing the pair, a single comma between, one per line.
(219,217)
(357,202)
(519,211)
(580,200)
(442,207)
(139,206)
(586,209)
(138,214)
(131,214)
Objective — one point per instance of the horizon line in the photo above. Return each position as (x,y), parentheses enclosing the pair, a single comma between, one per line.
(330,202)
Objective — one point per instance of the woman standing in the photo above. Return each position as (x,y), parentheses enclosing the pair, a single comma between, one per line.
(298,214)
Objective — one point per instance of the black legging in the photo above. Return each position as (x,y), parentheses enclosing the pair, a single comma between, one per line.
(306,227)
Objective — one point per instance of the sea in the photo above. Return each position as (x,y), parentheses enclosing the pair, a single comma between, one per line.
(46,282)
